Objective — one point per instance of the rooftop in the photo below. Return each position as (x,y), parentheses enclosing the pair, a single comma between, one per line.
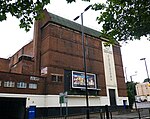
(72,25)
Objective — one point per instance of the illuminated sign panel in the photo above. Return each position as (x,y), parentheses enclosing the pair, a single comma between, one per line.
(78,80)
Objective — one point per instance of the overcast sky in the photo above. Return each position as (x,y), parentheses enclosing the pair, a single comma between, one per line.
(12,38)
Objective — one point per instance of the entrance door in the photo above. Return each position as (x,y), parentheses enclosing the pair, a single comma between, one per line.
(12,108)
(112,97)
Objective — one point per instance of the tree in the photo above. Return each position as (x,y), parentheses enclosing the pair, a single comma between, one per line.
(25,10)
(131,92)
(124,19)
(146,80)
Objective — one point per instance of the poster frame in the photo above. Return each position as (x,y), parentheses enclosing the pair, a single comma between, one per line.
(81,74)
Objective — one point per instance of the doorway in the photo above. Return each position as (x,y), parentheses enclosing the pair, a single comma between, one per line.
(112,97)
(12,108)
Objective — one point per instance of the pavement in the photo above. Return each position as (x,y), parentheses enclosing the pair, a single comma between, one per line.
(141,114)
(134,114)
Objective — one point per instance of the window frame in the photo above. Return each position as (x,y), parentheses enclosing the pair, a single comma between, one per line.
(57,78)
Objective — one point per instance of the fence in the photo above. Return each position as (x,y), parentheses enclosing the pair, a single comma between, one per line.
(120,114)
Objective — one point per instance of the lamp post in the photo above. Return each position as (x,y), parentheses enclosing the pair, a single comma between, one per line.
(146,68)
(84,60)
(132,76)
(147,73)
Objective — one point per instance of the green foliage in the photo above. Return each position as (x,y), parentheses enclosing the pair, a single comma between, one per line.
(24,10)
(131,92)
(146,80)
(70,1)
(124,19)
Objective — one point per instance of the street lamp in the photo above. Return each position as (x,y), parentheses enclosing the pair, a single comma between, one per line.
(134,93)
(132,76)
(84,60)
(146,68)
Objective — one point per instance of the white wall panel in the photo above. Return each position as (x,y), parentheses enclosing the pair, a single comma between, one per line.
(53,100)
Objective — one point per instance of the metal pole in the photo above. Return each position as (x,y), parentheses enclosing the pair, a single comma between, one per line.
(146,70)
(147,77)
(138,111)
(107,111)
(66,109)
(131,78)
(60,109)
(84,62)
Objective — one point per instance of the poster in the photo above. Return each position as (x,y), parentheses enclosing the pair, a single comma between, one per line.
(78,80)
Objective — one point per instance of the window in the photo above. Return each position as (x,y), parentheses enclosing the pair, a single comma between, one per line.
(56,78)
(9,84)
(32,85)
(21,85)
(0,83)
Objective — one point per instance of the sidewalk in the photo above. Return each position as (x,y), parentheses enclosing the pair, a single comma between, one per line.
(144,114)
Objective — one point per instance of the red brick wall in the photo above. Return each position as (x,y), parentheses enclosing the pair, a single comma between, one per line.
(61,48)
(119,72)
(5,76)
(28,49)
(25,50)
(52,87)
(4,64)
(17,68)
(25,67)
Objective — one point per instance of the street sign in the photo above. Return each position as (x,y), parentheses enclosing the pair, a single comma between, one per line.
(63,98)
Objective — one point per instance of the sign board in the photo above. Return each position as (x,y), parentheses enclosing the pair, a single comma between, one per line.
(34,78)
(78,80)
(44,71)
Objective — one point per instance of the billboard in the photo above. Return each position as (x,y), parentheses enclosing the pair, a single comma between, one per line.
(78,80)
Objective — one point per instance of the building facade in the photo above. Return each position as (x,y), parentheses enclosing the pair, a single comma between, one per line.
(142,92)
(53,64)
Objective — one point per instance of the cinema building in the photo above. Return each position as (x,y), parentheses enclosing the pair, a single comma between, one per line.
(52,65)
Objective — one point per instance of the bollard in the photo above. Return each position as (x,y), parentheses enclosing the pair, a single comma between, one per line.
(101,114)
(149,112)
(104,115)
(139,113)
(107,111)
(110,115)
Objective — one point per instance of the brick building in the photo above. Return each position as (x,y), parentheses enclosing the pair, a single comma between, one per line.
(53,63)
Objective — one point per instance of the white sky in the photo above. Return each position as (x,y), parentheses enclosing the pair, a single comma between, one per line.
(12,38)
